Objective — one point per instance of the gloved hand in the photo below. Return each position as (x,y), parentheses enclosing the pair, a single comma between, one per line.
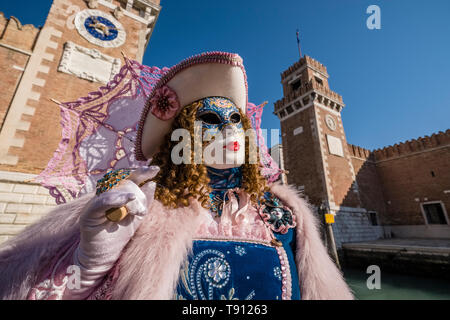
(102,241)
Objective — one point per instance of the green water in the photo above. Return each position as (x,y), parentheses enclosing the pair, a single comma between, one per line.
(397,286)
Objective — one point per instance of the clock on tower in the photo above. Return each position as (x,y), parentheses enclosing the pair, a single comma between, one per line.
(100,28)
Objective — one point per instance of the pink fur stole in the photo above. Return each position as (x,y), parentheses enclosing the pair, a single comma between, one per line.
(150,264)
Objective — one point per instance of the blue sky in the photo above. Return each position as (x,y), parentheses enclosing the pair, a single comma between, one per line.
(394,81)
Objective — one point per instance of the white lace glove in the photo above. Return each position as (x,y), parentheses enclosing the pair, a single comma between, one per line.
(102,241)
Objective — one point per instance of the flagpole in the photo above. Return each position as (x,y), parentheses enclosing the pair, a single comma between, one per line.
(298,44)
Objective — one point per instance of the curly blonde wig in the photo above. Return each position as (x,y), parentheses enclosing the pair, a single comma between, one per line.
(178,183)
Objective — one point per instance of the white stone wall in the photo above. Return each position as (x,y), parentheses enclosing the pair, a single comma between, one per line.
(21,203)
(425,231)
(351,226)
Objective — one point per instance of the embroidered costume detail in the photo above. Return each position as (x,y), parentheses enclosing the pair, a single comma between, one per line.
(221,180)
(240,250)
(111,179)
(286,277)
(231,270)
(277,273)
(63,276)
(49,289)
(53,285)
(276,214)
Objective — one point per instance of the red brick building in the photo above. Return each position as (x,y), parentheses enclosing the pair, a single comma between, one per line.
(401,190)
(77,49)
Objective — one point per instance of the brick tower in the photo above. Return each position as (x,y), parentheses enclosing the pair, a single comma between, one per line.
(313,136)
(315,148)
(78,49)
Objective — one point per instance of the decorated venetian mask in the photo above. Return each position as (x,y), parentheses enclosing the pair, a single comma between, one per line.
(223,133)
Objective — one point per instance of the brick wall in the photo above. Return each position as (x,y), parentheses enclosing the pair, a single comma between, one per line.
(11,63)
(16,35)
(369,183)
(412,173)
(16,45)
(298,133)
(395,180)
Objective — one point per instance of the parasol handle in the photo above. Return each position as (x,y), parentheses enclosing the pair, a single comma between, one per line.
(118,214)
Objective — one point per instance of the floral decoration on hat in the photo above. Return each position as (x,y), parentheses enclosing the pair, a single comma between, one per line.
(164,103)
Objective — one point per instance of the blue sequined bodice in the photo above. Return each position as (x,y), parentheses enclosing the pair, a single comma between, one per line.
(235,270)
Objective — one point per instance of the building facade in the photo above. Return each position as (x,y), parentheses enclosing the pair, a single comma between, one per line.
(401,190)
(79,48)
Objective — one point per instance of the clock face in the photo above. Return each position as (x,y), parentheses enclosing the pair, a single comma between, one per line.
(100,28)
(330,122)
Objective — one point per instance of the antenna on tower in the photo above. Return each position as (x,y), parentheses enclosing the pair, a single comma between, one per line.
(298,44)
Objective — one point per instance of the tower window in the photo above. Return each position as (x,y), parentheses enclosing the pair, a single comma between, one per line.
(296,84)
(432,174)
(289,110)
(319,81)
(434,213)
(305,101)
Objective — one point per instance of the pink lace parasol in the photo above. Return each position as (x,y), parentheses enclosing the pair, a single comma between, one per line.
(269,168)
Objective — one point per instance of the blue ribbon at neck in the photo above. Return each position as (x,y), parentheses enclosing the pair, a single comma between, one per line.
(220,181)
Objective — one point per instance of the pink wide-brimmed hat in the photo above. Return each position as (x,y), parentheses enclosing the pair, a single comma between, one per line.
(211,74)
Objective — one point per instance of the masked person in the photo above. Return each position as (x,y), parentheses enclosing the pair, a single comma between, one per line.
(199,223)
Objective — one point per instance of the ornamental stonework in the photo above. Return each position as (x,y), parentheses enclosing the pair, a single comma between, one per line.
(88,64)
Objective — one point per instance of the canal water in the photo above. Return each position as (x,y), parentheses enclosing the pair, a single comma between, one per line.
(397,286)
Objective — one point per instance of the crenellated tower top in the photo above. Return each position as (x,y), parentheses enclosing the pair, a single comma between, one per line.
(303,82)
